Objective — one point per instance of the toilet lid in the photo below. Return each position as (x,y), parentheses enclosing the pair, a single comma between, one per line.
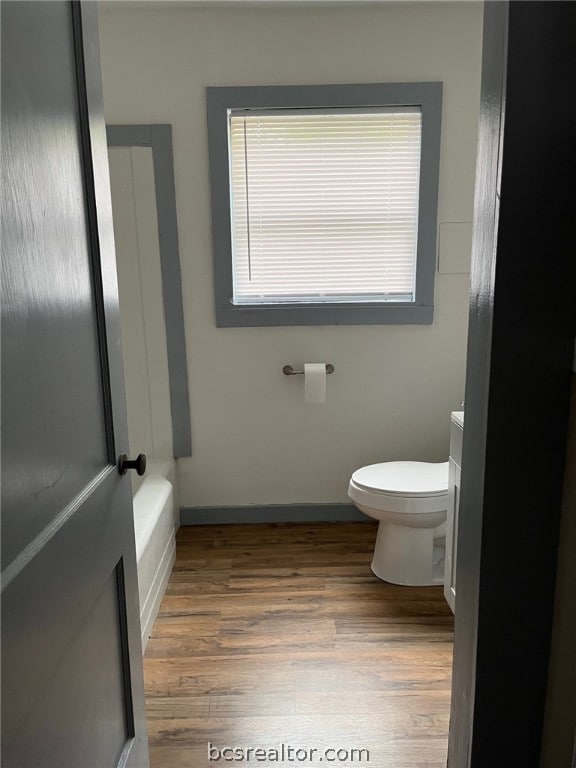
(405,478)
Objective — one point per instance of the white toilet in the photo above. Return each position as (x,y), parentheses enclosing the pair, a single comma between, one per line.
(410,499)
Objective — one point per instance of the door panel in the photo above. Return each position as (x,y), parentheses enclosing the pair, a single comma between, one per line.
(79,709)
(45,610)
(72,689)
(48,281)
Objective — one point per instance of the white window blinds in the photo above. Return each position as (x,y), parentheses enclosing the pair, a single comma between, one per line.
(324,205)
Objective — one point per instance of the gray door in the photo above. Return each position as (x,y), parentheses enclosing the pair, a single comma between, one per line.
(72,691)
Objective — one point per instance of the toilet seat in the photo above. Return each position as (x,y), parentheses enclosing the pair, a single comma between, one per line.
(409,479)
(404,487)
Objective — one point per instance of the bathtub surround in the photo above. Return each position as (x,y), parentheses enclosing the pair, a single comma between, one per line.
(255,441)
(159,139)
(144,337)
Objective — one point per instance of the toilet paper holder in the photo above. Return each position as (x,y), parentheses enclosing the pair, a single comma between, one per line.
(289,371)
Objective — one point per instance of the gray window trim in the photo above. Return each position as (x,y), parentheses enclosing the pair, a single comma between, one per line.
(428,96)
(159,139)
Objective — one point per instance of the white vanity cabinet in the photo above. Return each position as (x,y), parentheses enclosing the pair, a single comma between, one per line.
(455,461)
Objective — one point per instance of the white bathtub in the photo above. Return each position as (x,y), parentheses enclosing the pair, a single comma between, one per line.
(155,524)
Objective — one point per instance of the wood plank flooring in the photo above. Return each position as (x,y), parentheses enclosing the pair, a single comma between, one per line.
(280,633)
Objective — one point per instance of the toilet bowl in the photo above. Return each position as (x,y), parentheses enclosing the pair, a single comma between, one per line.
(409,499)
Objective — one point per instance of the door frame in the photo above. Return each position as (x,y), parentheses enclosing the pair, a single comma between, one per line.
(519,370)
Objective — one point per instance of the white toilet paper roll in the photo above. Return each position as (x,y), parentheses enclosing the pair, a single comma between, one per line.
(314,382)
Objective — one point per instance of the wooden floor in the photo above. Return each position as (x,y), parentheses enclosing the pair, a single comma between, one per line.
(272,634)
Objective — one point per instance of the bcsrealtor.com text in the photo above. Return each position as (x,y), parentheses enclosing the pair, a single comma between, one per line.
(286,753)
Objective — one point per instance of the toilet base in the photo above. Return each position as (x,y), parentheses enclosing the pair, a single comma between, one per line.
(412,557)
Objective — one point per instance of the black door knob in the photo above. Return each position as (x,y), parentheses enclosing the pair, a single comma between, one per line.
(139,464)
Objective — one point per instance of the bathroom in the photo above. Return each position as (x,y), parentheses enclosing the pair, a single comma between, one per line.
(248,591)
(251,450)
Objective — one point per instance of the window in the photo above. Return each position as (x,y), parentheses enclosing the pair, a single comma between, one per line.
(324,203)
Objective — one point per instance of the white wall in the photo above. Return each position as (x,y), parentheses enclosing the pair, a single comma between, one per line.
(254,440)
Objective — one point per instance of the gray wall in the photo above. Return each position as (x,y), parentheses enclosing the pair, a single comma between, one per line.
(255,442)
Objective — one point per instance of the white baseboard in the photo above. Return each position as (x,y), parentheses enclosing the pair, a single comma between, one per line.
(151,606)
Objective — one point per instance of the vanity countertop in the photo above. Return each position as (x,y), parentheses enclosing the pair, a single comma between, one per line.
(458,418)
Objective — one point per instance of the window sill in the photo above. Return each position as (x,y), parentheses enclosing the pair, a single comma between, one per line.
(231,316)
